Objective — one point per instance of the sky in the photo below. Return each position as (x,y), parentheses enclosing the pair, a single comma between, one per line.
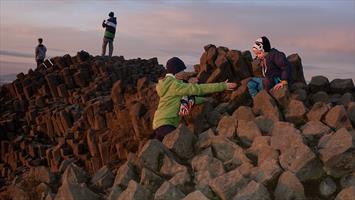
(322,32)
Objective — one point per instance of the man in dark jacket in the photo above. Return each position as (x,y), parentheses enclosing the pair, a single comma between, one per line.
(110,31)
(274,66)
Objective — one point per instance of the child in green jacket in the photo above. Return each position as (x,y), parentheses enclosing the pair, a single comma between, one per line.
(171,90)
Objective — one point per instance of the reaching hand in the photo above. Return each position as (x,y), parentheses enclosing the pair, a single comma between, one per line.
(230,86)
(278,86)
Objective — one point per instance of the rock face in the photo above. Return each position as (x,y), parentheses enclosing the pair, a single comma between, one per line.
(80,128)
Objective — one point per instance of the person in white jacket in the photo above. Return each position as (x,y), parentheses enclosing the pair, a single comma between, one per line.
(40,52)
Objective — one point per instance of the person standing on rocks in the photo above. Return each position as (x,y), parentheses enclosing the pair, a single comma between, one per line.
(40,52)
(171,91)
(110,31)
(274,66)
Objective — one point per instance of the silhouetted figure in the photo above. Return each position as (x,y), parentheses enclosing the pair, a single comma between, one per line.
(110,31)
(40,52)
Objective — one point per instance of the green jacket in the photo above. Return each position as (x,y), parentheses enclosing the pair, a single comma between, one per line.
(171,90)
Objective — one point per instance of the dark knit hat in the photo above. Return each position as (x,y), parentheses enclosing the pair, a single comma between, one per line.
(262,44)
(111,14)
(175,65)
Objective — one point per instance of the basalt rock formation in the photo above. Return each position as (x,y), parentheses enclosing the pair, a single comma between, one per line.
(80,128)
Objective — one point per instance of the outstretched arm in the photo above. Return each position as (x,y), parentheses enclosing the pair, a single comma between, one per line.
(104,24)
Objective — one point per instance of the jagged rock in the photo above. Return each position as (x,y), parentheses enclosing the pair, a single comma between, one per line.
(150,180)
(284,135)
(196,195)
(298,86)
(170,167)
(327,187)
(253,190)
(183,181)
(116,93)
(258,144)
(204,140)
(341,85)
(351,113)
(346,194)
(314,130)
(43,190)
(289,187)
(296,68)
(244,113)
(228,185)
(134,191)
(168,191)
(317,112)
(282,96)
(296,112)
(103,178)
(319,83)
(115,193)
(207,163)
(72,191)
(336,153)
(42,174)
(74,175)
(227,126)
(265,105)
(346,99)
(347,180)
(152,154)
(320,96)
(181,141)
(247,131)
(265,124)
(337,118)
(301,161)
(300,95)
(224,148)
(125,174)
(267,172)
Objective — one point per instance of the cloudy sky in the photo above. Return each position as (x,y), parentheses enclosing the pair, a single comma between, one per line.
(322,32)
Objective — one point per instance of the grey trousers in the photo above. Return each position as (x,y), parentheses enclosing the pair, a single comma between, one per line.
(110,47)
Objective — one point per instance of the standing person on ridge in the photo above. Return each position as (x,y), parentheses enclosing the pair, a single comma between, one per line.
(40,52)
(110,31)
(171,91)
(274,65)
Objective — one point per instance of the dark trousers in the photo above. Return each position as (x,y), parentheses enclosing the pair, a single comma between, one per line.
(162,131)
(39,62)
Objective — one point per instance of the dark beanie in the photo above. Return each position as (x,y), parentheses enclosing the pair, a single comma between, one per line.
(266,44)
(175,65)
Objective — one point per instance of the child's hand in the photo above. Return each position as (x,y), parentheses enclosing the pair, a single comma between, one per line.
(230,86)
(280,85)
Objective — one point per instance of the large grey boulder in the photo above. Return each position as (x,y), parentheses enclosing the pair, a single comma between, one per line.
(319,83)
(341,85)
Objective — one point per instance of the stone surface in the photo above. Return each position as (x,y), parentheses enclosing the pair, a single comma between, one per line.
(228,185)
(327,187)
(253,190)
(247,131)
(134,191)
(227,126)
(181,141)
(168,191)
(296,112)
(346,194)
(337,118)
(289,187)
(265,105)
(196,195)
(319,83)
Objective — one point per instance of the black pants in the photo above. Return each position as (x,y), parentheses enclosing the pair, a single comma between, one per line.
(39,62)
(162,131)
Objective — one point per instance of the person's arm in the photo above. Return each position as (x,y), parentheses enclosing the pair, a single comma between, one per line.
(281,61)
(183,89)
(200,100)
(104,24)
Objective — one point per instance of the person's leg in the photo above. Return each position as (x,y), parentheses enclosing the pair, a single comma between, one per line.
(104,44)
(255,85)
(162,131)
(110,47)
